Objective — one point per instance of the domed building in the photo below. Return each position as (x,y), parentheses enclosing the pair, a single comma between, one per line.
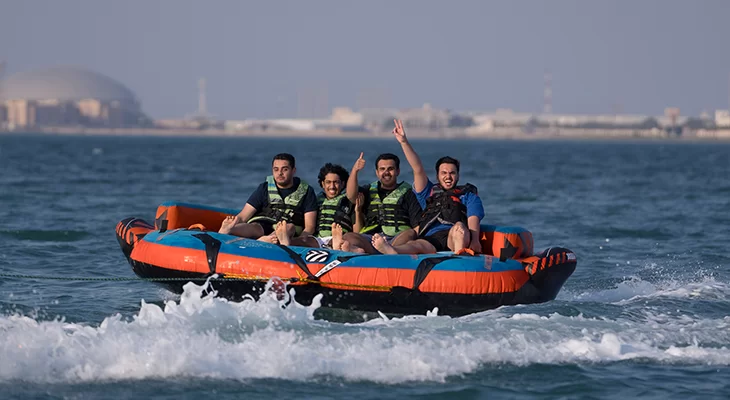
(66,96)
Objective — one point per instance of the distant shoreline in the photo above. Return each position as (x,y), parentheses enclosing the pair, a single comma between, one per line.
(497,134)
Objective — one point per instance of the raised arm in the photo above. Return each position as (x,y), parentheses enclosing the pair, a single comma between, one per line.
(352,187)
(359,215)
(419,174)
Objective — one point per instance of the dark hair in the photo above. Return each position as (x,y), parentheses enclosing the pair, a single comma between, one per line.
(388,156)
(285,157)
(447,160)
(330,168)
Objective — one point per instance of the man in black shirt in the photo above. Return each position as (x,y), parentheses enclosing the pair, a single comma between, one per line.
(391,207)
(283,197)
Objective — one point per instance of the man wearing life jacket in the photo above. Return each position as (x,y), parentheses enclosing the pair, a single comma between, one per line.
(452,213)
(334,210)
(282,197)
(390,207)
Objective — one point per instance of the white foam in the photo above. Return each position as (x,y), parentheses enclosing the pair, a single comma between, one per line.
(634,288)
(211,337)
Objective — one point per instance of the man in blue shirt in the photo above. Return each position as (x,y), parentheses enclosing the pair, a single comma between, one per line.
(452,213)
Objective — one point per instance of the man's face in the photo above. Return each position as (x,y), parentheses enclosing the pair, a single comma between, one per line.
(283,173)
(387,173)
(448,176)
(332,185)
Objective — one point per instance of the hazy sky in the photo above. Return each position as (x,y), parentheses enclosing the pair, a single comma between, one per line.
(636,56)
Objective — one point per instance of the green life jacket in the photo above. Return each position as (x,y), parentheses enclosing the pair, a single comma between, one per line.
(286,209)
(338,209)
(387,215)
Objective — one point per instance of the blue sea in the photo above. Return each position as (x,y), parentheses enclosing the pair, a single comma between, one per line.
(646,313)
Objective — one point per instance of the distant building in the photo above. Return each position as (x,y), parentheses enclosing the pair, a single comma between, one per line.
(66,96)
(722,118)
(425,117)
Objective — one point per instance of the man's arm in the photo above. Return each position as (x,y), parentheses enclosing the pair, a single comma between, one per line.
(359,215)
(310,222)
(419,174)
(254,203)
(352,188)
(246,213)
(474,228)
(310,212)
(475,213)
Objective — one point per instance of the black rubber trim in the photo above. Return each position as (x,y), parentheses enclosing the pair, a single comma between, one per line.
(425,267)
(508,251)
(212,247)
(299,261)
(161,222)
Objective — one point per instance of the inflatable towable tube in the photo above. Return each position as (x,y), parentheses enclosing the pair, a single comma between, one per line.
(184,244)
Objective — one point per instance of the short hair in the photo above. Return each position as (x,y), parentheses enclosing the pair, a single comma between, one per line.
(330,168)
(285,157)
(447,160)
(388,156)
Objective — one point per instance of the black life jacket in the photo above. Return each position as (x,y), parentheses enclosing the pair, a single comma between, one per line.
(445,207)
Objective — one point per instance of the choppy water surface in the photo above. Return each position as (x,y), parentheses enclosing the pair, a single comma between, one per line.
(645,314)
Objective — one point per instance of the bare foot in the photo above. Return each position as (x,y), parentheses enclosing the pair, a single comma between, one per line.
(458,237)
(381,244)
(281,233)
(337,242)
(227,225)
(270,238)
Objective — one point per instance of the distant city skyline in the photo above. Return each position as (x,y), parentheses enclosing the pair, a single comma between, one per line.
(289,58)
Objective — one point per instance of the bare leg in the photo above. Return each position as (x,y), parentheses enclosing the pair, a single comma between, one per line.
(357,241)
(251,231)
(404,237)
(459,237)
(282,234)
(305,240)
(381,244)
(418,246)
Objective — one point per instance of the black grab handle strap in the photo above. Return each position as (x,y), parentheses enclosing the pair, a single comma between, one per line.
(212,247)
(299,261)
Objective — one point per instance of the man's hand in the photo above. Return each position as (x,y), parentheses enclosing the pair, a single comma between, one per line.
(359,164)
(399,132)
(359,203)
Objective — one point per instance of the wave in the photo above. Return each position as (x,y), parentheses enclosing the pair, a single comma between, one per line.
(633,289)
(208,337)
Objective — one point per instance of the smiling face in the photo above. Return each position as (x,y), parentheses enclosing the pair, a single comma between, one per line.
(448,176)
(283,173)
(387,173)
(332,185)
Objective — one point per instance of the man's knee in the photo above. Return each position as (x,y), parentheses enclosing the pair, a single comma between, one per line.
(424,246)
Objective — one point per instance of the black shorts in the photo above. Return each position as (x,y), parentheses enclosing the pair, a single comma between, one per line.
(268,226)
(439,239)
